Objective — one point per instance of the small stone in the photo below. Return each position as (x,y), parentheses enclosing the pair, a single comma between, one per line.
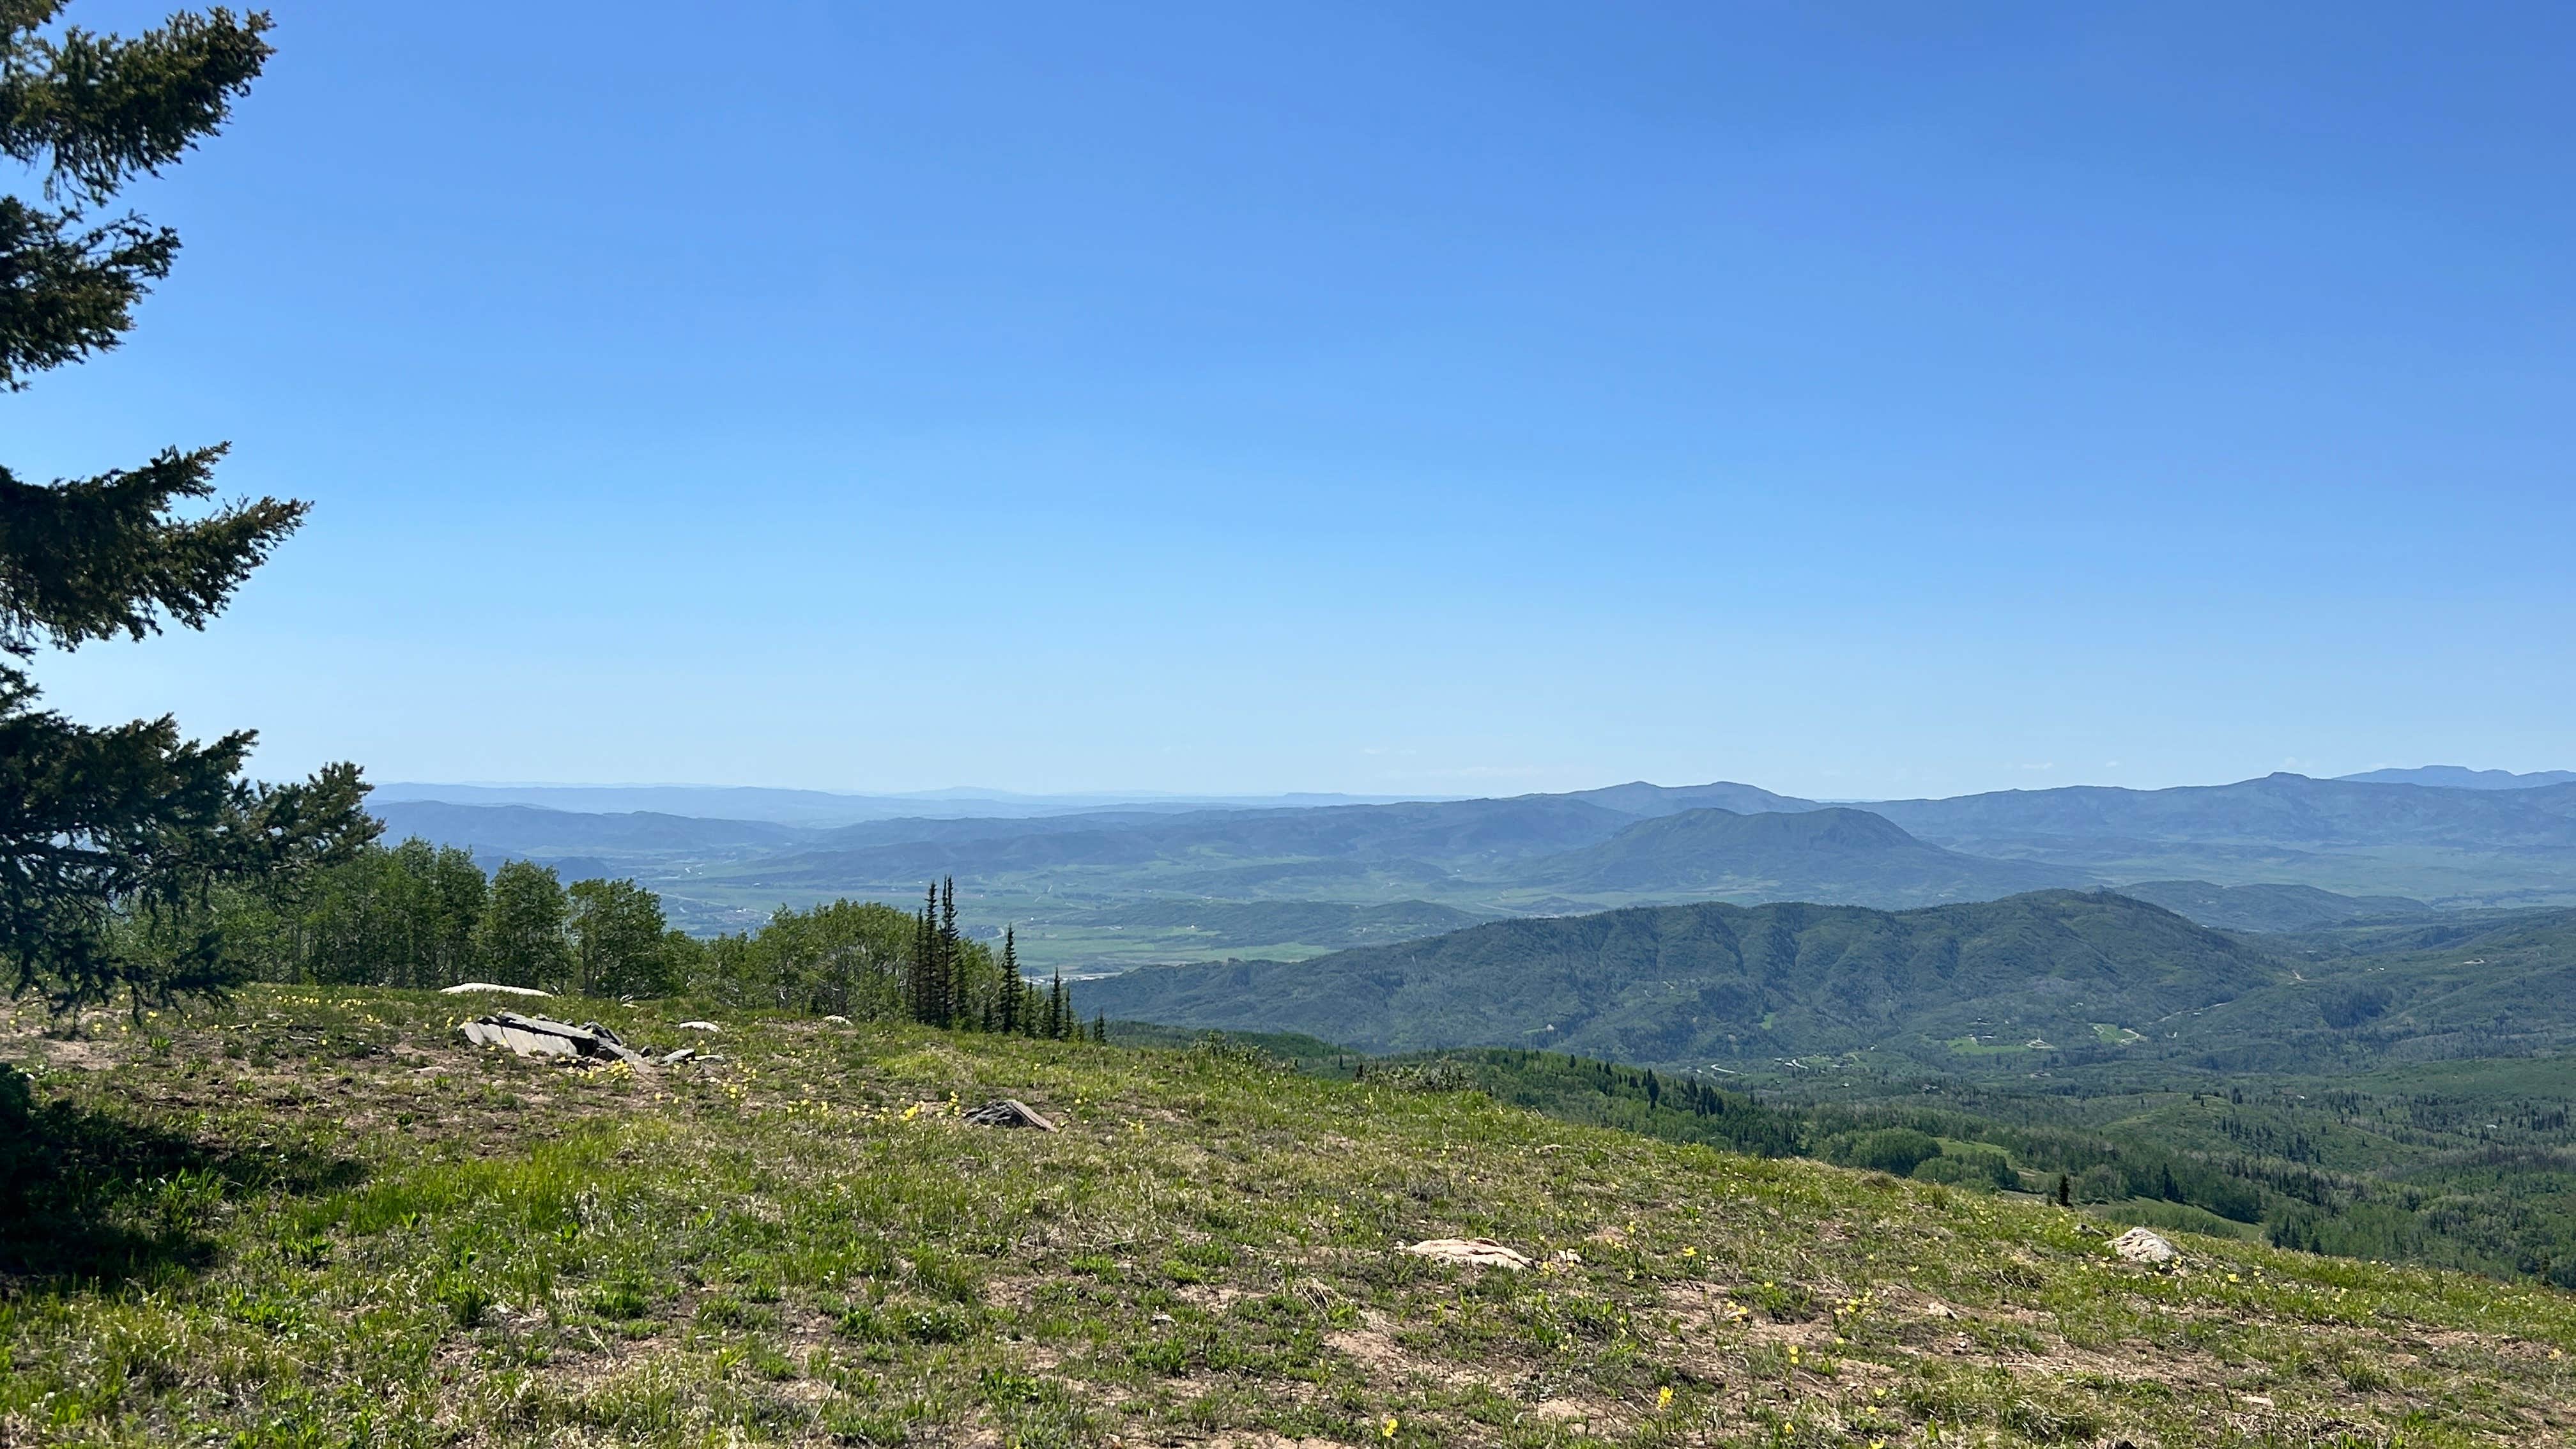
(699,1026)
(465,988)
(2138,1245)
(838,1020)
(682,1055)
(1474,1252)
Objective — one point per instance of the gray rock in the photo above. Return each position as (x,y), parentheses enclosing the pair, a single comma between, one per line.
(537,1036)
(2141,1246)
(1009,1112)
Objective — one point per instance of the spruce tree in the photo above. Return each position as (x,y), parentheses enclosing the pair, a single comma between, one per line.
(113,840)
(1056,1024)
(921,979)
(951,958)
(1100,1028)
(1006,994)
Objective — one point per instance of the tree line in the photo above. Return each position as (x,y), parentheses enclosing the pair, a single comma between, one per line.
(425,916)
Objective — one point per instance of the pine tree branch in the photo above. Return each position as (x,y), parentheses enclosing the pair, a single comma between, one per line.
(100,557)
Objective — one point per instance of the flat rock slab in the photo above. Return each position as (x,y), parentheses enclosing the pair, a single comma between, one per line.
(1474,1252)
(1009,1112)
(466,988)
(2141,1246)
(537,1036)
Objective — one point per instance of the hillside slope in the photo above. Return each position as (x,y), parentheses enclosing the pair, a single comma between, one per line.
(2447,846)
(2266,907)
(509,830)
(1831,854)
(317,1219)
(1687,984)
(1456,834)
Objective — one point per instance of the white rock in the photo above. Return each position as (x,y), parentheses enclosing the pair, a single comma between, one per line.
(1475,1252)
(2141,1246)
(838,1020)
(472,986)
(699,1026)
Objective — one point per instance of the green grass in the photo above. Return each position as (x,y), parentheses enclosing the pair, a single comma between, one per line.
(317,1218)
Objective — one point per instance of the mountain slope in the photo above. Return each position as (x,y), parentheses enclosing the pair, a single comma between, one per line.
(1684,984)
(2450,847)
(1827,854)
(1457,834)
(2265,907)
(804,1246)
(1639,798)
(2282,810)
(531,829)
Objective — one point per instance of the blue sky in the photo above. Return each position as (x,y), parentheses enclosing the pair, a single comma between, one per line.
(1852,399)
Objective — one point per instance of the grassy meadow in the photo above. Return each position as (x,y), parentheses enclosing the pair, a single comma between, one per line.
(317,1217)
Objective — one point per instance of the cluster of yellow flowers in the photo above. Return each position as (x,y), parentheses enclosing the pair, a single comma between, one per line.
(1847,1314)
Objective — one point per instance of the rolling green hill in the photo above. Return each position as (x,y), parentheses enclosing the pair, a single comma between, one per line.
(1189,928)
(1687,984)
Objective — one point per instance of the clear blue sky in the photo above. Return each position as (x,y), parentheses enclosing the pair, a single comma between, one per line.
(1852,399)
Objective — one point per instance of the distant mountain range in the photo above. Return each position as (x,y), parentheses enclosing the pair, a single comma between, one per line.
(2284,852)
(2457,777)
(1713,982)
(1819,854)
(822,808)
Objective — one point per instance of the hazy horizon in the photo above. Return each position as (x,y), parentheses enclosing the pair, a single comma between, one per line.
(1150,794)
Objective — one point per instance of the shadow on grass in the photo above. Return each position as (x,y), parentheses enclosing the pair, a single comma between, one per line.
(89,1197)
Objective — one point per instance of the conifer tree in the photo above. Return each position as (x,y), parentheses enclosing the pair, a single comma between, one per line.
(922,979)
(951,958)
(1006,995)
(1057,1027)
(113,839)
(1100,1028)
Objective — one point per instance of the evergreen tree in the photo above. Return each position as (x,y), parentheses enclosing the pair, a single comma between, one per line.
(950,987)
(1007,993)
(1100,1028)
(114,841)
(1059,1023)
(924,975)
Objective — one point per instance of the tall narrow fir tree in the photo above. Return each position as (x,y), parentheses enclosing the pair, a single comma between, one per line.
(1006,996)
(951,988)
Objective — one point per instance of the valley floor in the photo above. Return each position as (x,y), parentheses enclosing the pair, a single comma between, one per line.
(317,1217)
